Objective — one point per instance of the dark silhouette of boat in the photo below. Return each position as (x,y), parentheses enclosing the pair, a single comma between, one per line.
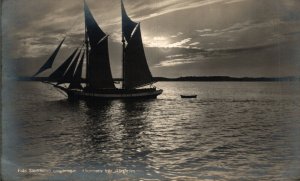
(98,82)
(188,96)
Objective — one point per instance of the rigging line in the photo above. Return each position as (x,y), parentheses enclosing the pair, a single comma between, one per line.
(82,47)
(55,86)
(69,29)
(60,91)
(67,33)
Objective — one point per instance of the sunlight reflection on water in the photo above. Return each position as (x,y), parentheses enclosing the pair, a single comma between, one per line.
(232,131)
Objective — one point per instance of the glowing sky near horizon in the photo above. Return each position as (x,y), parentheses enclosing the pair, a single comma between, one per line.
(192,37)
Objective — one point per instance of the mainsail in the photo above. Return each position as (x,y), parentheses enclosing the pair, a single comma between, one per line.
(50,61)
(58,74)
(137,72)
(98,65)
(136,69)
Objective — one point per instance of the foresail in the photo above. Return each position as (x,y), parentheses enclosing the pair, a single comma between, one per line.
(58,74)
(94,32)
(76,81)
(51,59)
(137,72)
(127,24)
(68,76)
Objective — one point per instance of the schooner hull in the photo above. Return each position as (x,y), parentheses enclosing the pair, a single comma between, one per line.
(114,94)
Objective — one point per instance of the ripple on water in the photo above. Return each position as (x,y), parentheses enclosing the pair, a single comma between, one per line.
(247,132)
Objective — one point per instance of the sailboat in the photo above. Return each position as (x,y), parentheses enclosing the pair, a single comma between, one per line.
(98,81)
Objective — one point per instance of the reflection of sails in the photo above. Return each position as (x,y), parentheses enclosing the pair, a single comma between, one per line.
(134,120)
(96,135)
(98,114)
(115,130)
(135,140)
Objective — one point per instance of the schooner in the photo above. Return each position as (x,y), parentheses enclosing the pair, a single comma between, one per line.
(99,82)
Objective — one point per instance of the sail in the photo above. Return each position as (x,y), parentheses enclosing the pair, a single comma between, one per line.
(127,24)
(76,81)
(68,76)
(50,61)
(100,76)
(61,70)
(98,65)
(94,32)
(137,72)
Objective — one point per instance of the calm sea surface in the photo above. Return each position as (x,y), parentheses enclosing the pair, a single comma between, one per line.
(231,131)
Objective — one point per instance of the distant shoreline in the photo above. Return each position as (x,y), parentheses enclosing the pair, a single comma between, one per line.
(194,79)
(228,79)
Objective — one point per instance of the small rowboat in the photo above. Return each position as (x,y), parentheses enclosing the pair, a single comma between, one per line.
(188,96)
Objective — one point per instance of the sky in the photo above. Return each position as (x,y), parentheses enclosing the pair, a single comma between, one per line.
(240,38)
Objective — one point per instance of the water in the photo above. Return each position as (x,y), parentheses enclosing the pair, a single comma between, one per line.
(232,131)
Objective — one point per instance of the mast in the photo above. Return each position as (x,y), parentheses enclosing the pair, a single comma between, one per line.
(123,61)
(127,28)
(87,56)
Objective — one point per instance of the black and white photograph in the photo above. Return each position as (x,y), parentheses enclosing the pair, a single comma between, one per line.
(150,90)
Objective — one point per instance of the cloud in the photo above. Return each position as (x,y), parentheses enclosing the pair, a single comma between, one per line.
(240,27)
(164,42)
(178,34)
(159,38)
(165,7)
(194,29)
(204,30)
(234,1)
(156,41)
(195,43)
(197,55)
(175,56)
(180,43)
(238,50)
(216,33)
(174,62)
(57,20)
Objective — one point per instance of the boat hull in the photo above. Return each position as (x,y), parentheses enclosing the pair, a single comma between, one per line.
(114,94)
(188,96)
